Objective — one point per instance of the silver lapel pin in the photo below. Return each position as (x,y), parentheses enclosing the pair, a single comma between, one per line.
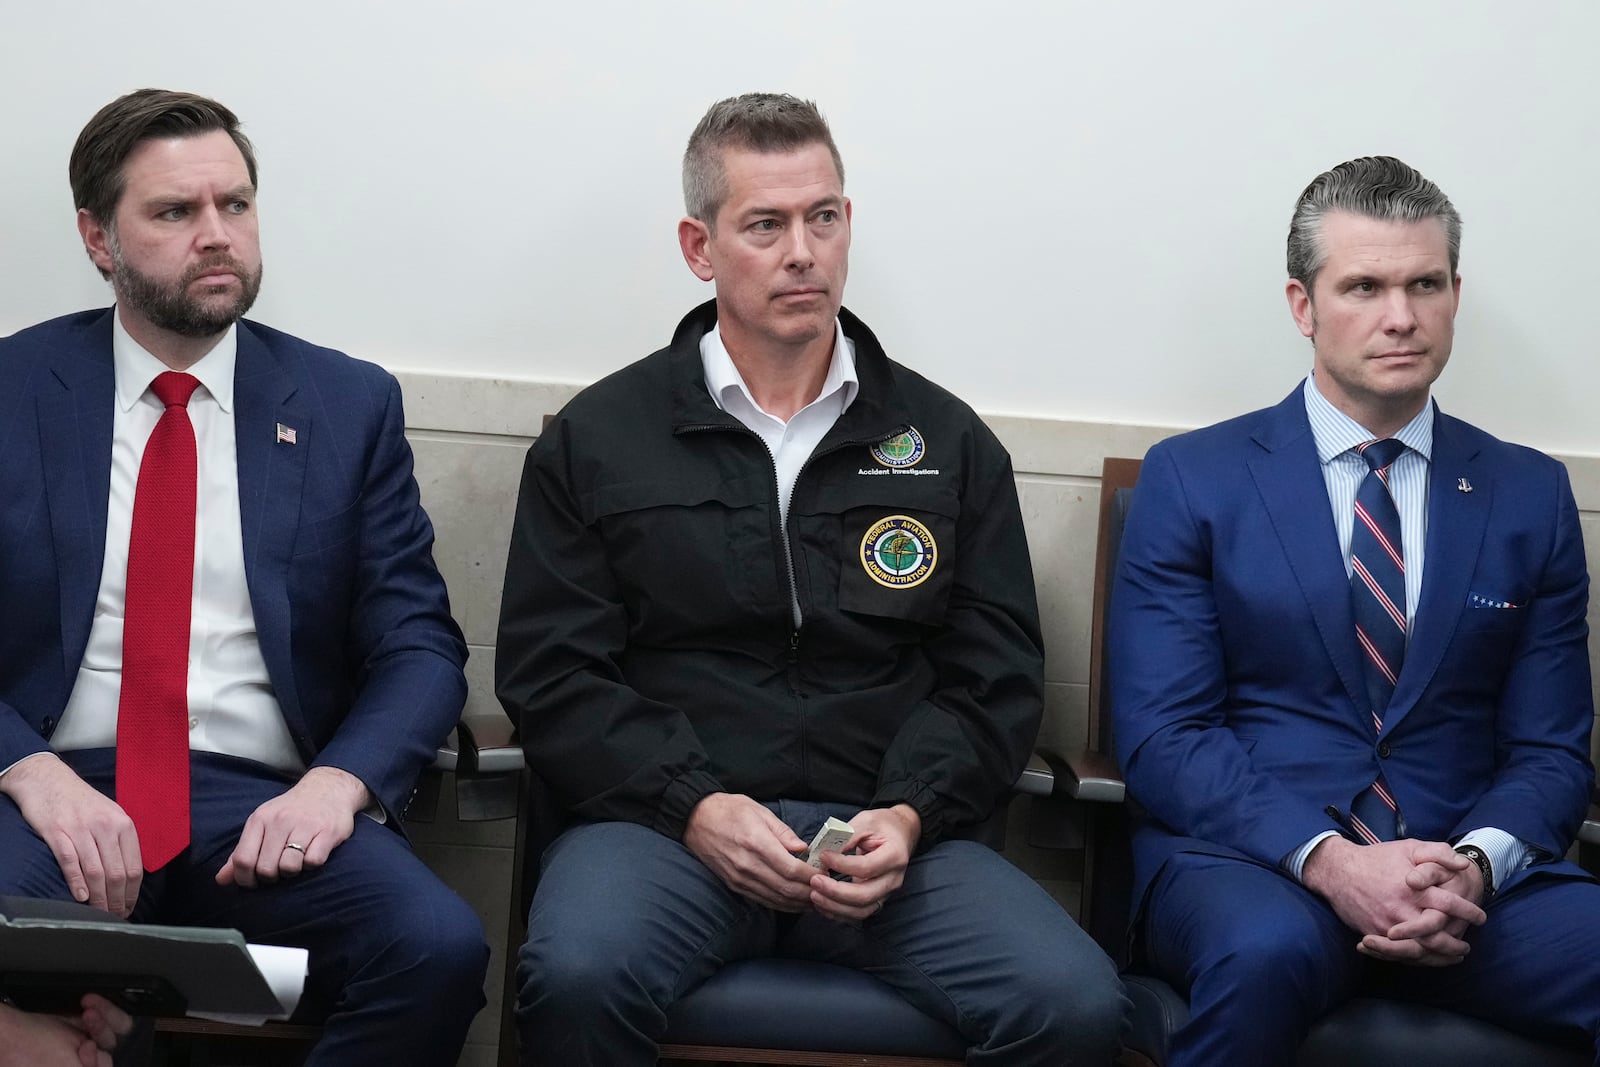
(1463,486)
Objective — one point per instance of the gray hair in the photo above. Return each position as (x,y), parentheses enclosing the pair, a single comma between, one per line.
(1379,187)
(760,122)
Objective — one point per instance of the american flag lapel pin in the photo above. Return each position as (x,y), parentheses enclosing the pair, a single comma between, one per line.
(286,435)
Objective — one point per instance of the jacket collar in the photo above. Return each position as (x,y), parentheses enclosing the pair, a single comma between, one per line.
(75,427)
(877,413)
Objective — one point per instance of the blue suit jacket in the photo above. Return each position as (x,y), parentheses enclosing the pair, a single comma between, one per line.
(1236,679)
(351,613)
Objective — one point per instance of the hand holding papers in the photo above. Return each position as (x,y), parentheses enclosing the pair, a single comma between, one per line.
(834,836)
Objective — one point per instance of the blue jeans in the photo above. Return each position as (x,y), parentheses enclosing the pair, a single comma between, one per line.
(626,921)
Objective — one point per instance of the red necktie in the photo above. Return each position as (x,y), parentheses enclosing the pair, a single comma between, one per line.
(153,715)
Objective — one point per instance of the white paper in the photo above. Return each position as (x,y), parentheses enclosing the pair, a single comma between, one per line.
(285,971)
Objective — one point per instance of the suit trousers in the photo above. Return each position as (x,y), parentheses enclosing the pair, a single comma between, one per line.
(1260,958)
(626,920)
(396,959)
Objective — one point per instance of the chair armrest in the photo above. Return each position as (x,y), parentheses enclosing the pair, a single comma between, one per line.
(1588,850)
(1092,776)
(489,769)
(1056,820)
(449,753)
(489,745)
(1037,779)
(423,804)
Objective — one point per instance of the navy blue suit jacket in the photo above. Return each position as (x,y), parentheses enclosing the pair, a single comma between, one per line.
(351,613)
(1237,690)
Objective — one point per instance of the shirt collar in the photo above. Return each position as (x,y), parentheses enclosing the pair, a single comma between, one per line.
(136,368)
(722,375)
(1337,433)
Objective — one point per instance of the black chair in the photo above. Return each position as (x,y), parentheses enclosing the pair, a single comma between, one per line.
(1366,1031)
(1589,837)
(748,1011)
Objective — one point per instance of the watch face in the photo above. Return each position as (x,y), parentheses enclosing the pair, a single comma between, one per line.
(1481,858)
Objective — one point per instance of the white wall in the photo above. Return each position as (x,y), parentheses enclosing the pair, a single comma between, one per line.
(1071,209)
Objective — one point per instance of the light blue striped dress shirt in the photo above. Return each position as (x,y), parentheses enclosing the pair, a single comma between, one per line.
(1343,469)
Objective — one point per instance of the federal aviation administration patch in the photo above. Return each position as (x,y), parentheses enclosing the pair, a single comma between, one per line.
(898,552)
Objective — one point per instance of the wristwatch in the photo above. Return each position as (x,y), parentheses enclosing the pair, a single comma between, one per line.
(1481,858)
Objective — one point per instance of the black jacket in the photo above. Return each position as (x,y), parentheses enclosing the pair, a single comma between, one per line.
(647,647)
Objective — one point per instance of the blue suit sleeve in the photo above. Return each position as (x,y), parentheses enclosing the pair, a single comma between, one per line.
(1543,776)
(410,650)
(1182,763)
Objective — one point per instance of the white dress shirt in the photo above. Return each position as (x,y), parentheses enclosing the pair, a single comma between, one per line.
(232,708)
(1343,470)
(790,443)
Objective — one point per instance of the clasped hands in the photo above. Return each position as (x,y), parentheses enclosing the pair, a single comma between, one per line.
(1412,901)
(753,852)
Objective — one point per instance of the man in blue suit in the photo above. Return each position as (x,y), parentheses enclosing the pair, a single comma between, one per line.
(1351,675)
(227,651)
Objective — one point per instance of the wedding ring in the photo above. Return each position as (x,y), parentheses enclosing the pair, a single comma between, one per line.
(298,848)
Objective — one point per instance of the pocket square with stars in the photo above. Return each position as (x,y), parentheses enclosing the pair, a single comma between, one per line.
(1478,600)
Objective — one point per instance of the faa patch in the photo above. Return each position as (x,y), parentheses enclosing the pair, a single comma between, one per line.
(901,450)
(898,552)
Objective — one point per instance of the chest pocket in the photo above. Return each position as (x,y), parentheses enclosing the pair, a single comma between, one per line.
(687,547)
(895,544)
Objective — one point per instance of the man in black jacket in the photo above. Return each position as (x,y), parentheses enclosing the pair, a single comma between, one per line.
(762,578)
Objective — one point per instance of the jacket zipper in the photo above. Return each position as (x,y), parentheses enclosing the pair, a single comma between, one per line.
(793,657)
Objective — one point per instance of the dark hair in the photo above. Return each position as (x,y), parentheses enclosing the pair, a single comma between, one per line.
(95,168)
(762,122)
(1379,187)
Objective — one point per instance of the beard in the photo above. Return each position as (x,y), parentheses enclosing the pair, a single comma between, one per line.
(171,308)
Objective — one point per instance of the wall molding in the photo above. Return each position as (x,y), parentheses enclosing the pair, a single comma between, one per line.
(1071,448)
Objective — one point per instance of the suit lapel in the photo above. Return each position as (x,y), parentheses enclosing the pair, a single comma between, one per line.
(75,412)
(1456,524)
(271,475)
(1288,476)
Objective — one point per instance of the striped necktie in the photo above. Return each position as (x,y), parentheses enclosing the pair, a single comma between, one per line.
(1378,596)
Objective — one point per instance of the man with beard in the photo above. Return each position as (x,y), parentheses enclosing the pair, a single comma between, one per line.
(228,653)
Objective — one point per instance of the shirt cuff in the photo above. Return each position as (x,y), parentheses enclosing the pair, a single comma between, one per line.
(1507,854)
(25,759)
(1296,860)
